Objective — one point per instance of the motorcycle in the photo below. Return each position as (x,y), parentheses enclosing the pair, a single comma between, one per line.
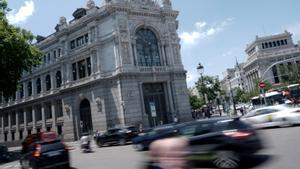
(85,144)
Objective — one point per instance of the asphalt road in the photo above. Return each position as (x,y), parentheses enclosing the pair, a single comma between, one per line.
(282,152)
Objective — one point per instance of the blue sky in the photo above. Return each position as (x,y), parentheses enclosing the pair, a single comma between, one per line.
(212,32)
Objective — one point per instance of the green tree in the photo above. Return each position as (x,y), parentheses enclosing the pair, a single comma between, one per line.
(196,102)
(17,54)
(210,86)
(238,95)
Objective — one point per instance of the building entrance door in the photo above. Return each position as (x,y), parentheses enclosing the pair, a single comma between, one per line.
(86,124)
(155,104)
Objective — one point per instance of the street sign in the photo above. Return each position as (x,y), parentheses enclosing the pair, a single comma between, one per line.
(262,84)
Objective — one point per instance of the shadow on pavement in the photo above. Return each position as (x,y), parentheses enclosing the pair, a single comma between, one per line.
(248,163)
(14,156)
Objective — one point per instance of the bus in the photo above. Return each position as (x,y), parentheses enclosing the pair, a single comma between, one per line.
(271,99)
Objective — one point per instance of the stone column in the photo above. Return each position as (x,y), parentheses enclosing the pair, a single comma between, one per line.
(66,73)
(9,127)
(2,129)
(143,110)
(25,90)
(170,98)
(52,77)
(33,119)
(53,116)
(33,82)
(17,134)
(43,117)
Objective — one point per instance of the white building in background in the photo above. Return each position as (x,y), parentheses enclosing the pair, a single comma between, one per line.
(274,58)
(107,67)
(234,77)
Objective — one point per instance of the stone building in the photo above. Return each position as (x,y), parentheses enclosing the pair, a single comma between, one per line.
(234,76)
(114,65)
(274,58)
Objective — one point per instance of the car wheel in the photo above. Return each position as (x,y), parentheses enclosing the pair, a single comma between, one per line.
(122,141)
(227,160)
(139,147)
(99,144)
(285,123)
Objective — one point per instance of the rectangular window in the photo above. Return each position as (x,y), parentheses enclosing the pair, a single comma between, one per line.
(274,44)
(48,111)
(73,44)
(278,43)
(285,41)
(45,59)
(86,37)
(54,54)
(21,91)
(5,119)
(29,115)
(74,71)
(59,108)
(48,58)
(59,52)
(89,66)
(81,68)
(13,118)
(38,113)
(21,117)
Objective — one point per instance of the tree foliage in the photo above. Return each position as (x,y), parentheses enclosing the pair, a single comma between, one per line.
(17,54)
(196,102)
(210,86)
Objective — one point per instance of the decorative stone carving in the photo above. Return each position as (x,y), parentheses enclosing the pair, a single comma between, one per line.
(167,4)
(144,4)
(62,24)
(62,20)
(90,4)
(124,36)
(122,24)
(125,53)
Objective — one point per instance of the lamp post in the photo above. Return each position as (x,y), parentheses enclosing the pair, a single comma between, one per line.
(200,69)
(231,93)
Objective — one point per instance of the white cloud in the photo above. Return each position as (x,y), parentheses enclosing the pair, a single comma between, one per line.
(203,30)
(23,13)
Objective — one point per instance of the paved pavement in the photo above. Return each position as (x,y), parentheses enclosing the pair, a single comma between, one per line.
(282,152)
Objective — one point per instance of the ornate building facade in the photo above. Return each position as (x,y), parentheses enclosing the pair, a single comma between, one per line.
(114,65)
(273,58)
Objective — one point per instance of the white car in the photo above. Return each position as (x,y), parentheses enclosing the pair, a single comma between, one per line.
(272,116)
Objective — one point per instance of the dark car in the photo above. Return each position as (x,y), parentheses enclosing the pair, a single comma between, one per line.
(44,150)
(119,136)
(143,141)
(224,142)
(5,156)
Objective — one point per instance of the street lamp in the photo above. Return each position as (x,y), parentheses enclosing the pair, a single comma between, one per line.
(200,69)
(231,93)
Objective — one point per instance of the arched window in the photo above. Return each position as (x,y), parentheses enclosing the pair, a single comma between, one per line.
(147,48)
(58,79)
(48,82)
(38,86)
(29,88)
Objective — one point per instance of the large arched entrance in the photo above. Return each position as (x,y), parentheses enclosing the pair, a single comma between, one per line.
(86,124)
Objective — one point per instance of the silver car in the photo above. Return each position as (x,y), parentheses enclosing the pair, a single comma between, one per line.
(273,116)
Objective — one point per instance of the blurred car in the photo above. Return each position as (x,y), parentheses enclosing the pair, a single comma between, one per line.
(5,156)
(44,150)
(117,136)
(273,116)
(224,142)
(143,141)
